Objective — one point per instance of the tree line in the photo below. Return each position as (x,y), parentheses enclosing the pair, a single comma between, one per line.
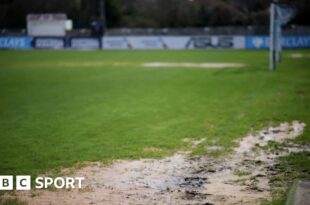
(151,13)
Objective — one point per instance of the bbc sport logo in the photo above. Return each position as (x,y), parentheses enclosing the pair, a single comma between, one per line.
(23,182)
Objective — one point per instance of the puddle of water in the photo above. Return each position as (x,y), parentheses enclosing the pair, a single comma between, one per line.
(277,134)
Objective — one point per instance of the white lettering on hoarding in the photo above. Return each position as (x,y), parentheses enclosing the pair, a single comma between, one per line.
(23,182)
(12,43)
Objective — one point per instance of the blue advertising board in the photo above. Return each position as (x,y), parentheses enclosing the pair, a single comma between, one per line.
(84,43)
(49,42)
(10,42)
(262,42)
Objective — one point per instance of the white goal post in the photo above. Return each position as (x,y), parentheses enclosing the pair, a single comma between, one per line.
(280,14)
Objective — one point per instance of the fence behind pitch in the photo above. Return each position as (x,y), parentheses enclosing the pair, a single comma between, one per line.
(150,42)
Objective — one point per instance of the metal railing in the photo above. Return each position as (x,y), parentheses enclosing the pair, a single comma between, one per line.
(228,30)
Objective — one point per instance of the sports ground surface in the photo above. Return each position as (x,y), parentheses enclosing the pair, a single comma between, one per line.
(58,108)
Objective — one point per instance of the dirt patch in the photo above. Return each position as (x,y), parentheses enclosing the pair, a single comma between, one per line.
(300,55)
(152,149)
(193,65)
(241,178)
(194,142)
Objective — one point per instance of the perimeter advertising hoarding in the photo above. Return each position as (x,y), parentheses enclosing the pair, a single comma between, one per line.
(115,43)
(84,43)
(215,42)
(48,42)
(152,42)
(15,42)
(174,42)
(262,42)
(134,42)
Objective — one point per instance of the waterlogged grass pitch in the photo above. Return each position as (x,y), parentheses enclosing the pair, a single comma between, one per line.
(58,108)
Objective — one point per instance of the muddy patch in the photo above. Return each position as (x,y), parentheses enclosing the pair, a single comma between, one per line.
(276,134)
(192,65)
(241,178)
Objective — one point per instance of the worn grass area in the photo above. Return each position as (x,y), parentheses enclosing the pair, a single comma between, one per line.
(58,108)
(292,167)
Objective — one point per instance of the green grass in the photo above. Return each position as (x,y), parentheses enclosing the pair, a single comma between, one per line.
(58,108)
(11,202)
